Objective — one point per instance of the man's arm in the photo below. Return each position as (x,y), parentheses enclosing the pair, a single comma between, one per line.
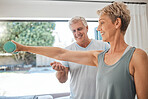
(82,57)
(140,63)
(62,71)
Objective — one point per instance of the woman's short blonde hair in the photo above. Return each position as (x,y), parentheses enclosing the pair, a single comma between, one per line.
(117,10)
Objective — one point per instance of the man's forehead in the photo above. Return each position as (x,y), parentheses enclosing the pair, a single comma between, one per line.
(76,27)
(78,22)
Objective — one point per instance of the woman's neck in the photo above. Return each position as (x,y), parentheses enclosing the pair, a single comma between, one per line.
(118,44)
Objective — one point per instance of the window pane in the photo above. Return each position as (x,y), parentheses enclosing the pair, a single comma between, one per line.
(30,74)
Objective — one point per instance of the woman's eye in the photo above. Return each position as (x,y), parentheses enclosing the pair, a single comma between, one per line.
(102,22)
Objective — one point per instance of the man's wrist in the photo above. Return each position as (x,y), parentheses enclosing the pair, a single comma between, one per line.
(61,71)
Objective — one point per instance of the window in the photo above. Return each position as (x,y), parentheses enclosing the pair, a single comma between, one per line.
(29,74)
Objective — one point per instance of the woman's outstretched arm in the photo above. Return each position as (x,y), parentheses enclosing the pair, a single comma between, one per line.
(82,57)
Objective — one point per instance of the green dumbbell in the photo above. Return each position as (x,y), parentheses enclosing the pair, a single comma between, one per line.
(10,47)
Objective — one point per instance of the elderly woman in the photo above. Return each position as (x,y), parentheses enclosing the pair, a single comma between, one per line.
(122,69)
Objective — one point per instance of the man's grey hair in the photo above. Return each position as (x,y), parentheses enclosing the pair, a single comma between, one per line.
(77,19)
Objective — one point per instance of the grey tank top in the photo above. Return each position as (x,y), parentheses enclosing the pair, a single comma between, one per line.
(114,81)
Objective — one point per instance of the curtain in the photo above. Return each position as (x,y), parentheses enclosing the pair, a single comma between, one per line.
(137,32)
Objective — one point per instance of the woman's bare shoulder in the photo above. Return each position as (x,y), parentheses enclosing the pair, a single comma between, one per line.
(139,57)
(139,53)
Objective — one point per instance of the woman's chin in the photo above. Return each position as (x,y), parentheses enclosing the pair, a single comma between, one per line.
(104,40)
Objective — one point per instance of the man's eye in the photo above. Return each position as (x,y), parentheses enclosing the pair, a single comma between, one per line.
(73,31)
(79,29)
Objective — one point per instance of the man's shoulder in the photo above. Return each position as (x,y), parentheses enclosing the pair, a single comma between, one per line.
(70,46)
(100,43)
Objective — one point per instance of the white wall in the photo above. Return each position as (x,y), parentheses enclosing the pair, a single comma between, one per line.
(48,9)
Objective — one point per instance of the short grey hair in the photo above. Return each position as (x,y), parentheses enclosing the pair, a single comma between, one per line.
(117,10)
(77,19)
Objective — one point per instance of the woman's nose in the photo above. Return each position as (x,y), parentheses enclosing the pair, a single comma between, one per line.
(98,28)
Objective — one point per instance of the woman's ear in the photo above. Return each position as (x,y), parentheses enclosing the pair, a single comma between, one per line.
(118,23)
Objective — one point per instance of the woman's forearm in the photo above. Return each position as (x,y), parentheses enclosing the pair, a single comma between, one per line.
(53,52)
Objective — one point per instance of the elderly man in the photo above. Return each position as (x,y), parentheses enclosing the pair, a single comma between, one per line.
(83,78)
